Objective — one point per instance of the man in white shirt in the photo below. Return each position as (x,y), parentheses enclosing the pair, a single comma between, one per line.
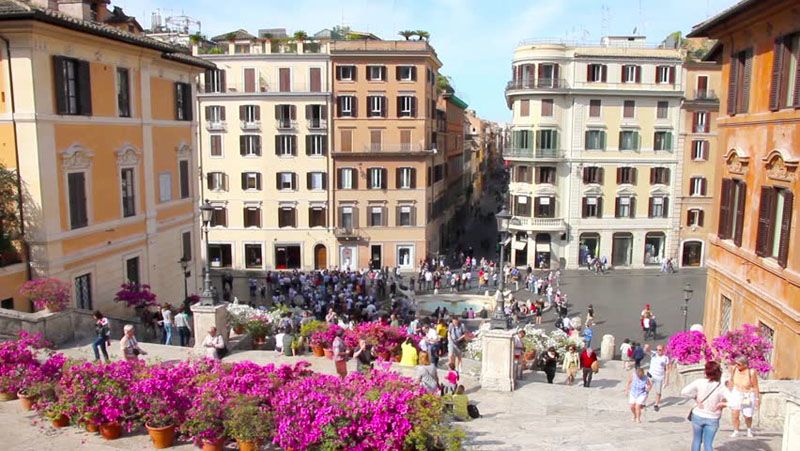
(658,373)
(213,343)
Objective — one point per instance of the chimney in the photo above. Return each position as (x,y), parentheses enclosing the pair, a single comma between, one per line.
(96,10)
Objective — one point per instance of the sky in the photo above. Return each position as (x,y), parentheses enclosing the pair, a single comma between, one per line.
(474,39)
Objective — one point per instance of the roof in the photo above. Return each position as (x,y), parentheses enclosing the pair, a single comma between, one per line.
(11,10)
(702,29)
(627,52)
(456,101)
(238,35)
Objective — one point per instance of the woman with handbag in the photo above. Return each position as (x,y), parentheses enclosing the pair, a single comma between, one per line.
(710,397)
(129,345)
(637,388)
(571,363)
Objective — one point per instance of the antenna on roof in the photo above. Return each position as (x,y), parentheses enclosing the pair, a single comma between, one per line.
(605,14)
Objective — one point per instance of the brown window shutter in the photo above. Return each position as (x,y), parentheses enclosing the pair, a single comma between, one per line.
(308,144)
(603,73)
(85,90)
(665,209)
(588,72)
(634,175)
(777,71)
(308,180)
(622,74)
(619,176)
(339,106)
(222,112)
(585,175)
(694,122)
(257,112)
(652,176)
(616,208)
(672,75)
(316,79)
(706,144)
(785,225)
(601,172)
(638,74)
(748,76)
(384,176)
(584,212)
(733,74)
(666,176)
(737,239)
(726,194)
(413,178)
(223,87)
(293,112)
(208,112)
(650,208)
(524,107)
(766,211)
(308,112)
(339,178)
(242,112)
(397,178)
(632,208)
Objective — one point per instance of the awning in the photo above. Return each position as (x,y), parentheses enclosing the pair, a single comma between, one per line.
(542,247)
(519,245)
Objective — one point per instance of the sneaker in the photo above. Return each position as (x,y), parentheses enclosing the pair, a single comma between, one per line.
(749,433)
(656,408)
(735,434)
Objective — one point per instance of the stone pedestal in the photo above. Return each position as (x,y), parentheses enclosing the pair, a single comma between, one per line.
(607,348)
(206,316)
(497,363)
(791,426)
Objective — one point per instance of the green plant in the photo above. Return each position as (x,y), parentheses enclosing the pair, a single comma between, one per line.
(422,35)
(300,35)
(406,34)
(308,329)
(196,38)
(246,420)
(429,431)
(10,223)
(258,326)
(56,409)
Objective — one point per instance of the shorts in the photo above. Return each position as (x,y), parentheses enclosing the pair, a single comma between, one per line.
(453,350)
(745,402)
(640,400)
(657,385)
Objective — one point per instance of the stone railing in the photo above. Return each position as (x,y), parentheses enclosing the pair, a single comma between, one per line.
(61,327)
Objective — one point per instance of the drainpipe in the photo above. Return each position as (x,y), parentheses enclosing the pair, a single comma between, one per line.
(26,250)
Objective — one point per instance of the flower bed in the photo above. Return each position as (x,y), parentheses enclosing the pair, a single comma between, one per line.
(385,340)
(692,347)
(49,293)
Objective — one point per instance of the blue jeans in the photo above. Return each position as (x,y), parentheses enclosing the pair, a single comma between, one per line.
(99,342)
(168,334)
(703,431)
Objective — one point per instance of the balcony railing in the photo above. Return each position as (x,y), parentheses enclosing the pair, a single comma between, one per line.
(394,147)
(217,126)
(515,152)
(541,83)
(701,128)
(705,94)
(524,222)
(346,233)
(317,124)
(250,125)
(285,124)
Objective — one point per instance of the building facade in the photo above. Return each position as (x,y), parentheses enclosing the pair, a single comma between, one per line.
(99,124)
(593,155)
(265,148)
(754,257)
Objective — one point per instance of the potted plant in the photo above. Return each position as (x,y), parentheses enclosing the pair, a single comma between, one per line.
(247,422)
(57,412)
(163,394)
(137,296)
(238,321)
(258,326)
(308,329)
(324,339)
(204,421)
(48,294)
(19,364)
(300,35)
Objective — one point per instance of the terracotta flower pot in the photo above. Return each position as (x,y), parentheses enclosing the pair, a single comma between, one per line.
(111,431)
(7,396)
(238,330)
(60,421)
(530,355)
(328,353)
(161,437)
(318,351)
(259,343)
(247,445)
(397,358)
(92,427)
(26,401)
(213,445)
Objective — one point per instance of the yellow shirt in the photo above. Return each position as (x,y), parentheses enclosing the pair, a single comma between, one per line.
(409,355)
(441,329)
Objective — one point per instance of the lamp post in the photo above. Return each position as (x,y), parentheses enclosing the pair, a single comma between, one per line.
(499,318)
(687,296)
(207,298)
(186,273)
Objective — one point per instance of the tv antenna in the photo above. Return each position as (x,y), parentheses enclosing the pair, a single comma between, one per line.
(605,17)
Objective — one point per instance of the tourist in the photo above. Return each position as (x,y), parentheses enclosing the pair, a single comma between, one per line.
(745,395)
(363,356)
(455,339)
(451,380)
(637,388)
(658,373)
(460,404)
(589,316)
(570,363)
(102,336)
(589,365)
(548,363)
(432,340)
(587,336)
(167,323)
(288,342)
(129,345)
(408,353)
(184,329)
(426,374)
(626,353)
(213,343)
(519,349)
(340,354)
(638,355)
(710,397)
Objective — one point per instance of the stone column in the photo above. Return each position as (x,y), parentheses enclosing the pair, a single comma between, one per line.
(497,363)
(607,347)
(791,425)
(206,316)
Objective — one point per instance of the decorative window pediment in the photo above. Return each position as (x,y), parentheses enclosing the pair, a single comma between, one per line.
(626,191)
(545,190)
(780,165)
(593,190)
(184,151)
(736,160)
(127,155)
(76,158)
(659,191)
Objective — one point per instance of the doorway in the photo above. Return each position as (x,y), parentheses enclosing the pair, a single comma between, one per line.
(348,257)
(622,249)
(588,248)
(654,243)
(320,256)
(405,256)
(287,257)
(543,252)
(692,253)
(376,260)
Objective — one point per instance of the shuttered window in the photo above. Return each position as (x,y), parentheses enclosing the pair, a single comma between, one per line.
(215,81)
(596,73)
(592,207)
(628,140)
(252,217)
(659,207)
(346,178)
(315,76)
(346,106)
(286,181)
(406,178)
(785,85)
(545,175)
(626,176)
(695,217)
(547,107)
(128,188)
(593,174)
(662,110)
(774,223)
(595,140)
(406,106)
(287,217)
(183,101)
(184,179)
(739,78)
(317,217)
(524,107)
(625,207)
(629,109)
(594,107)
(731,210)
(251,181)
(697,186)
(659,176)
(76,188)
(216,145)
(123,92)
(217,181)
(72,86)
(665,74)
(250,145)
(316,145)
(662,141)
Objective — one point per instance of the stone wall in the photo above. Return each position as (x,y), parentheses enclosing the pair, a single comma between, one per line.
(59,328)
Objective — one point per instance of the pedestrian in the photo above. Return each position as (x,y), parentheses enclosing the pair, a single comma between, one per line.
(626,353)
(363,356)
(455,339)
(183,326)
(745,395)
(129,345)
(102,336)
(570,364)
(426,374)
(589,365)
(589,315)
(167,323)
(658,373)
(213,343)
(637,388)
(646,327)
(340,354)
(587,336)
(519,349)
(548,363)
(710,397)
(638,354)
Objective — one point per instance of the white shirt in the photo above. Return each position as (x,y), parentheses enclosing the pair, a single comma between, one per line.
(166,315)
(701,388)
(432,336)
(182,320)
(623,351)
(658,365)
(217,342)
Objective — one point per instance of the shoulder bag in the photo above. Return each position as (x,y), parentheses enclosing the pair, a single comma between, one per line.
(689,417)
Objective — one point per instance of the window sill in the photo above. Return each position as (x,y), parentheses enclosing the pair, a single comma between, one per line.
(250,156)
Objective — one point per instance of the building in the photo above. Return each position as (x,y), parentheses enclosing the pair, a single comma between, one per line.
(754,254)
(449,202)
(388,171)
(100,124)
(698,138)
(594,154)
(265,151)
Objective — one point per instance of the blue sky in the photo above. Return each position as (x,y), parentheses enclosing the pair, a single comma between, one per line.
(474,39)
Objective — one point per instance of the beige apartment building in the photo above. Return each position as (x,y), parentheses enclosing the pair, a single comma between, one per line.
(700,154)
(265,115)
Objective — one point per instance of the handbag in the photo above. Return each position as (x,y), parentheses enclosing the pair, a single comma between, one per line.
(689,417)
(595,366)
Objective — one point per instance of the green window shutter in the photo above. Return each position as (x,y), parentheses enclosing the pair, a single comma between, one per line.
(603,140)
(636,141)
(669,141)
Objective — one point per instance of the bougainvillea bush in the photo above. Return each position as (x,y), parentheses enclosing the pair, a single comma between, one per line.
(19,362)
(689,347)
(384,339)
(135,295)
(746,341)
(48,293)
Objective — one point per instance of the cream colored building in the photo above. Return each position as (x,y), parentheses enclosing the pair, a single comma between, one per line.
(265,152)
(594,153)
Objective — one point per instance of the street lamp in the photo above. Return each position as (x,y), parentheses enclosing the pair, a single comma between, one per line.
(499,318)
(687,296)
(206,212)
(186,273)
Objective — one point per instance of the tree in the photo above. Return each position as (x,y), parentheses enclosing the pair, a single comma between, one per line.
(406,34)
(340,32)
(422,35)
(444,84)
(10,225)
(300,35)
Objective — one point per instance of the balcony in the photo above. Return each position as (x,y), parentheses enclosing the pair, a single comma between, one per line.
(700,128)
(250,125)
(515,153)
(396,148)
(346,233)
(317,124)
(705,95)
(538,224)
(285,124)
(216,126)
(541,83)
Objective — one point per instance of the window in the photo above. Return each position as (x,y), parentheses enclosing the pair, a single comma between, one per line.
(659,207)
(406,73)
(250,114)
(625,207)
(594,107)
(252,217)
(219,217)
(376,217)
(700,150)
(286,145)
(522,206)
(406,106)
(546,174)
(739,77)
(377,178)
(73,86)
(665,74)
(631,73)
(405,140)
(697,186)
(596,73)
(785,86)
(286,217)
(184,179)
(659,176)
(774,223)
(346,73)
(215,80)
(284,79)
(83,292)
(547,139)
(521,139)
(217,181)
(215,114)
(376,73)
(317,217)
(287,257)
(406,178)
(548,76)
(347,178)
(731,210)
(316,181)
(406,216)
(216,145)
(524,107)
(629,109)
(545,207)
(700,122)
(593,174)
(220,255)
(165,187)
(726,310)
(695,217)
(346,106)
(662,141)
(592,207)
(628,140)
(183,101)
(250,145)
(252,256)
(662,110)
(347,218)
(251,181)
(128,189)
(286,116)
(375,140)
(438,173)
(547,107)
(241,48)
(316,145)
(376,106)
(286,181)
(186,246)
(316,115)
(76,187)
(595,140)
(123,92)
(626,176)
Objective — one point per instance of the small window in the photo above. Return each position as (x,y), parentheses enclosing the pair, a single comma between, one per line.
(697,186)
(252,217)
(287,217)
(629,109)
(628,140)
(665,74)
(546,175)
(376,106)
(76,188)
(544,207)
(593,175)
(376,73)
(404,216)
(700,150)
(250,145)
(631,73)
(701,123)
(346,178)
(73,86)
(596,73)
(774,223)
(286,181)
(253,256)
(216,145)
(662,110)
(662,141)
(215,114)
(183,101)
(547,139)
(406,106)
(659,207)
(594,108)
(376,179)
(547,107)
(376,216)
(626,176)
(405,178)
(346,106)
(346,73)
(123,92)
(694,217)
(592,207)
(626,207)
(406,73)
(251,181)
(595,140)
(165,187)
(128,189)
(184,179)
(316,217)
(316,145)
(659,176)
(219,217)
(216,181)
(316,181)
(215,81)
(285,145)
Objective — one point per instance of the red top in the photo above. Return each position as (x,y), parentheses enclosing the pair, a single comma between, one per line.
(587,360)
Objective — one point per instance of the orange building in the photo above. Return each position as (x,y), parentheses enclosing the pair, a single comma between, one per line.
(98,121)
(754,258)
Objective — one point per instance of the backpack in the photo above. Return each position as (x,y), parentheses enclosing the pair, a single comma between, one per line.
(638,354)
(472,411)
(222,352)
